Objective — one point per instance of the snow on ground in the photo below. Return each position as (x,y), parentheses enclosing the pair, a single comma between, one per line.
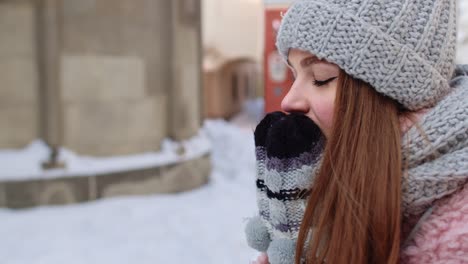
(26,163)
(202,226)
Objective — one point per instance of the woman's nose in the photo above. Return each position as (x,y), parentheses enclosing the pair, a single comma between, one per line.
(295,102)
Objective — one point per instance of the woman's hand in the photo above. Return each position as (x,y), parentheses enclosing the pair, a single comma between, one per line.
(262,259)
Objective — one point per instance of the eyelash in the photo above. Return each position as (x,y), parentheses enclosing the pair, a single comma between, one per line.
(322,83)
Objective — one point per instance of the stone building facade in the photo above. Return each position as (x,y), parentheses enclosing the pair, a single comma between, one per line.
(100,77)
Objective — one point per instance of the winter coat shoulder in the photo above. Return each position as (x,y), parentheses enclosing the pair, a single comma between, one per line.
(442,237)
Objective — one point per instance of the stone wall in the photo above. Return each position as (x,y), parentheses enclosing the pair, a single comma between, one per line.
(185,96)
(101,77)
(68,190)
(18,75)
(114,75)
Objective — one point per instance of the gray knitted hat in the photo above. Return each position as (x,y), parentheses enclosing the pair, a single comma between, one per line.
(405,49)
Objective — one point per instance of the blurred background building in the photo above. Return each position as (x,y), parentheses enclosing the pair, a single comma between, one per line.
(233,53)
(99,77)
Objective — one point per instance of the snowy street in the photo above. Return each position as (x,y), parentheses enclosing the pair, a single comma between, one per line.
(203,226)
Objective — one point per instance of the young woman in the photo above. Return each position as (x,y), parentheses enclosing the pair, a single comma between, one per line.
(377,77)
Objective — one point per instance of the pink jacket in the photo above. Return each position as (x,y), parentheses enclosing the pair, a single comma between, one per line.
(442,237)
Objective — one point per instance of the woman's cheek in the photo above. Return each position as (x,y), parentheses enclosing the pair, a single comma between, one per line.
(324,113)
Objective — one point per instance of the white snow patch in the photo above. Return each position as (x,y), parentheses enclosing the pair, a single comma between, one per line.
(204,226)
(26,163)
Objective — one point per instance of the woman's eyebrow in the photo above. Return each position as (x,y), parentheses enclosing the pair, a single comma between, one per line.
(306,62)
(310,60)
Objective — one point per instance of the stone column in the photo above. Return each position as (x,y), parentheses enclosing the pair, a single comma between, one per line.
(48,36)
(184,107)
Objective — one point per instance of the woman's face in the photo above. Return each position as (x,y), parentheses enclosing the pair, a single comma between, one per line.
(314,89)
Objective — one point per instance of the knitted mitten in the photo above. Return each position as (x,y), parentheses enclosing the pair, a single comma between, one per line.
(288,149)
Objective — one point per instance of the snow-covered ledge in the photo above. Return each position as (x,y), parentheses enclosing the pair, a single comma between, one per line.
(179,166)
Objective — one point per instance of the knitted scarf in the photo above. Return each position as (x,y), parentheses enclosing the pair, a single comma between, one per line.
(435,150)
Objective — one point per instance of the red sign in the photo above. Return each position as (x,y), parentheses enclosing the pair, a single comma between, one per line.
(278,78)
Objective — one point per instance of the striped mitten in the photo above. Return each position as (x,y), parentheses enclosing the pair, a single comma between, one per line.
(288,149)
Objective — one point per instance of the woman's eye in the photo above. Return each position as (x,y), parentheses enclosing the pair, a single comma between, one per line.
(322,83)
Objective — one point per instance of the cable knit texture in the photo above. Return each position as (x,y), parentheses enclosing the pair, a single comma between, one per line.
(435,226)
(437,159)
(288,149)
(404,48)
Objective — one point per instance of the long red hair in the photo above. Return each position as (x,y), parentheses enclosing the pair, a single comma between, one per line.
(353,212)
